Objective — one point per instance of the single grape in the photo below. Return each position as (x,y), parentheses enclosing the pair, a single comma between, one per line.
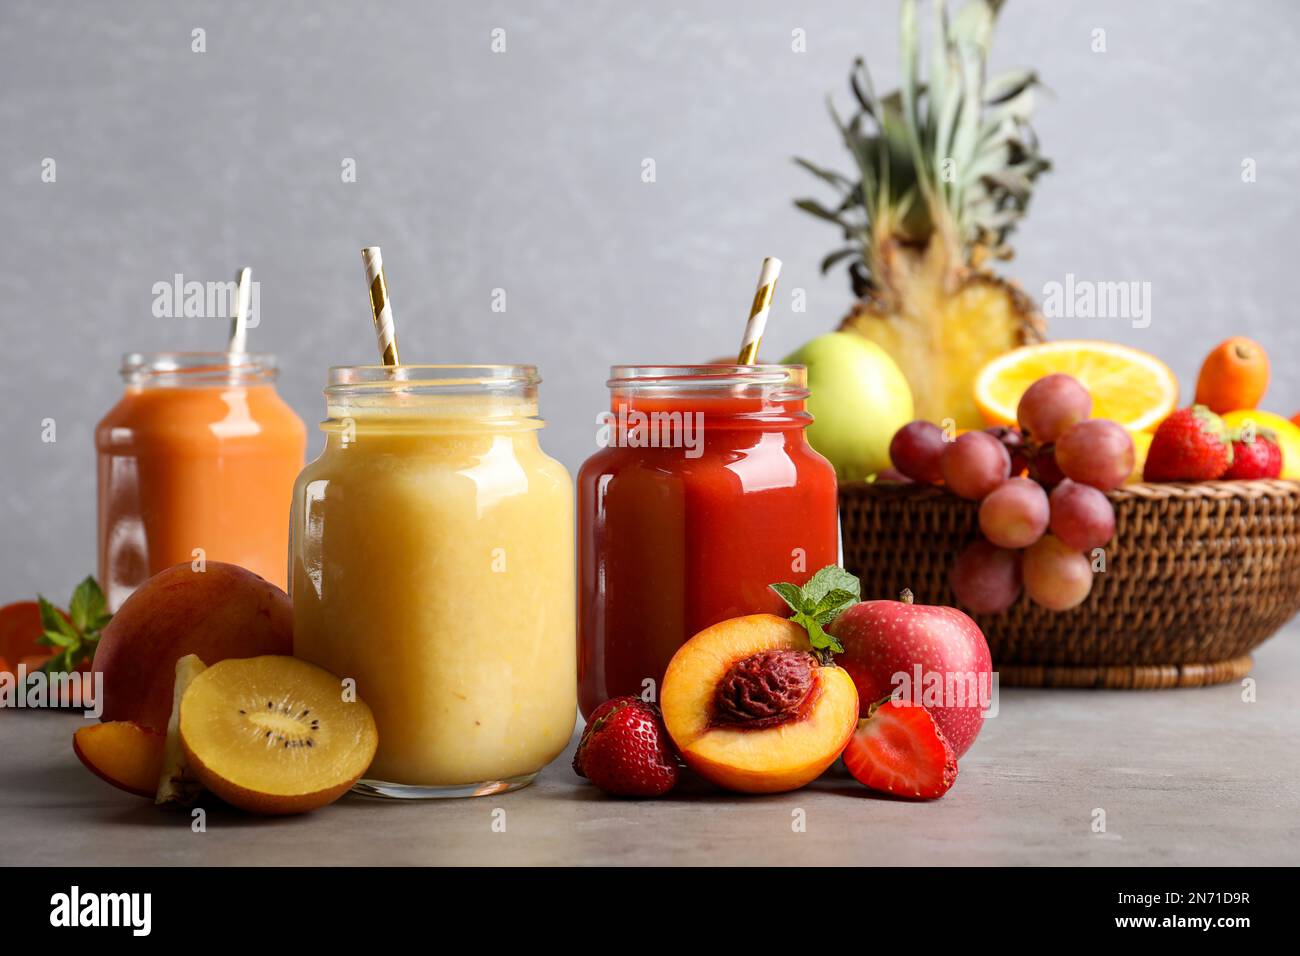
(1014,443)
(916,449)
(1051,405)
(974,465)
(1055,575)
(1082,516)
(985,578)
(1044,468)
(1096,452)
(1015,513)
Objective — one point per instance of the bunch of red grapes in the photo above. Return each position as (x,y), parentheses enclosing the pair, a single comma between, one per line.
(1031,540)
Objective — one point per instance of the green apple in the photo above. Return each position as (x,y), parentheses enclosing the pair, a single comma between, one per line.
(859,399)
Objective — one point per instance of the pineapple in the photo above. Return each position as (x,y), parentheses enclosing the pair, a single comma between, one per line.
(943,172)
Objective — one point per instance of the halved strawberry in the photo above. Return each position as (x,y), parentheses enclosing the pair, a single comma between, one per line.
(898,749)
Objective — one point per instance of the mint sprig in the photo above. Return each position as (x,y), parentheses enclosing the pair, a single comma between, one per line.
(74,635)
(820,601)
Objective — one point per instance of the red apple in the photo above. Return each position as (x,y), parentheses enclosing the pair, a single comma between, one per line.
(937,655)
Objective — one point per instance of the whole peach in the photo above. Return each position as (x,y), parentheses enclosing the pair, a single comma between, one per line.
(220,612)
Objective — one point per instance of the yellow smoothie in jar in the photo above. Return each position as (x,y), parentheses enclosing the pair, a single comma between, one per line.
(432,561)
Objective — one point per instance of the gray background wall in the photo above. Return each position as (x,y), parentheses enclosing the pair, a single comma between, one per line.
(522,170)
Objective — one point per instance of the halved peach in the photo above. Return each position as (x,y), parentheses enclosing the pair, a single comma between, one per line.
(751,708)
(125,754)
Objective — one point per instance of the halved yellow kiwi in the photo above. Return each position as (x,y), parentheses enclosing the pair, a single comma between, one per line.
(275,735)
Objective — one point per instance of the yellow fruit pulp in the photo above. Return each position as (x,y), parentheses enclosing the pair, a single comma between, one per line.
(1141,445)
(1127,385)
(940,339)
(276,725)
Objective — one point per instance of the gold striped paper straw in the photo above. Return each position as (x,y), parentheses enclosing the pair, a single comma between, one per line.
(380,308)
(759,310)
(238,341)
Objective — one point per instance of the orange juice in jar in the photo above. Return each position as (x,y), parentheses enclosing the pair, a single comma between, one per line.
(197,459)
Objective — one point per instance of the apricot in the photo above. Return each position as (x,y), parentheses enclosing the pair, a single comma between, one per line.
(275,735)
(751,708)
(1235,375)
(125,754)
(221,612)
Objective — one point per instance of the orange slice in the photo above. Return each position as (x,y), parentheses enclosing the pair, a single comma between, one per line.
(1128,386)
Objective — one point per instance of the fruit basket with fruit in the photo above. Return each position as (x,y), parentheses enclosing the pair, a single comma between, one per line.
(1197,576)
(1152,569)
(1079,572)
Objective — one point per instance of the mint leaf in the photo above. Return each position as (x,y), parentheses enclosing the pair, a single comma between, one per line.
(820,640)
(790,594)
(52,620)
(828,579)
(55,639)
(820,601)
(88,605)
(74,636)
(831,606)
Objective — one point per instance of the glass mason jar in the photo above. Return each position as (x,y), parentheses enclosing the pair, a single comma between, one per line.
(704,493)
(199,453)
(432,561)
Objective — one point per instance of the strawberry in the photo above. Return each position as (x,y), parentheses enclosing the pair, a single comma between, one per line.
(597,715)
(624,750)
(1192,444)
(1260,457)
(898,748)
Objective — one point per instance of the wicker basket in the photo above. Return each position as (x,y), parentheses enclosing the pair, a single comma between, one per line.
(1197,576)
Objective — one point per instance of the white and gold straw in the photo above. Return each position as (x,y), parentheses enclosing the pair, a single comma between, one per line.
(380,308)
(238,342)
(759,310)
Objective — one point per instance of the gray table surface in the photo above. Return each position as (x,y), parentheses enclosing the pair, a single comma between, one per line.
(1184,777)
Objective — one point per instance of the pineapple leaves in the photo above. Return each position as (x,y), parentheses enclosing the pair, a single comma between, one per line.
(814,208)
(966,136)
(1009,85)
(860,84)
(853,140)
(973,25)
(841,183)
(953,154)
(939,45)
(838,256)
(909,93)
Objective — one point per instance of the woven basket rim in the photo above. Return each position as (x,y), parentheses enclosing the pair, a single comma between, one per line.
(1138,491)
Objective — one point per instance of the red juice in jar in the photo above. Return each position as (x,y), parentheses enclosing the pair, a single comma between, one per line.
(704,493)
